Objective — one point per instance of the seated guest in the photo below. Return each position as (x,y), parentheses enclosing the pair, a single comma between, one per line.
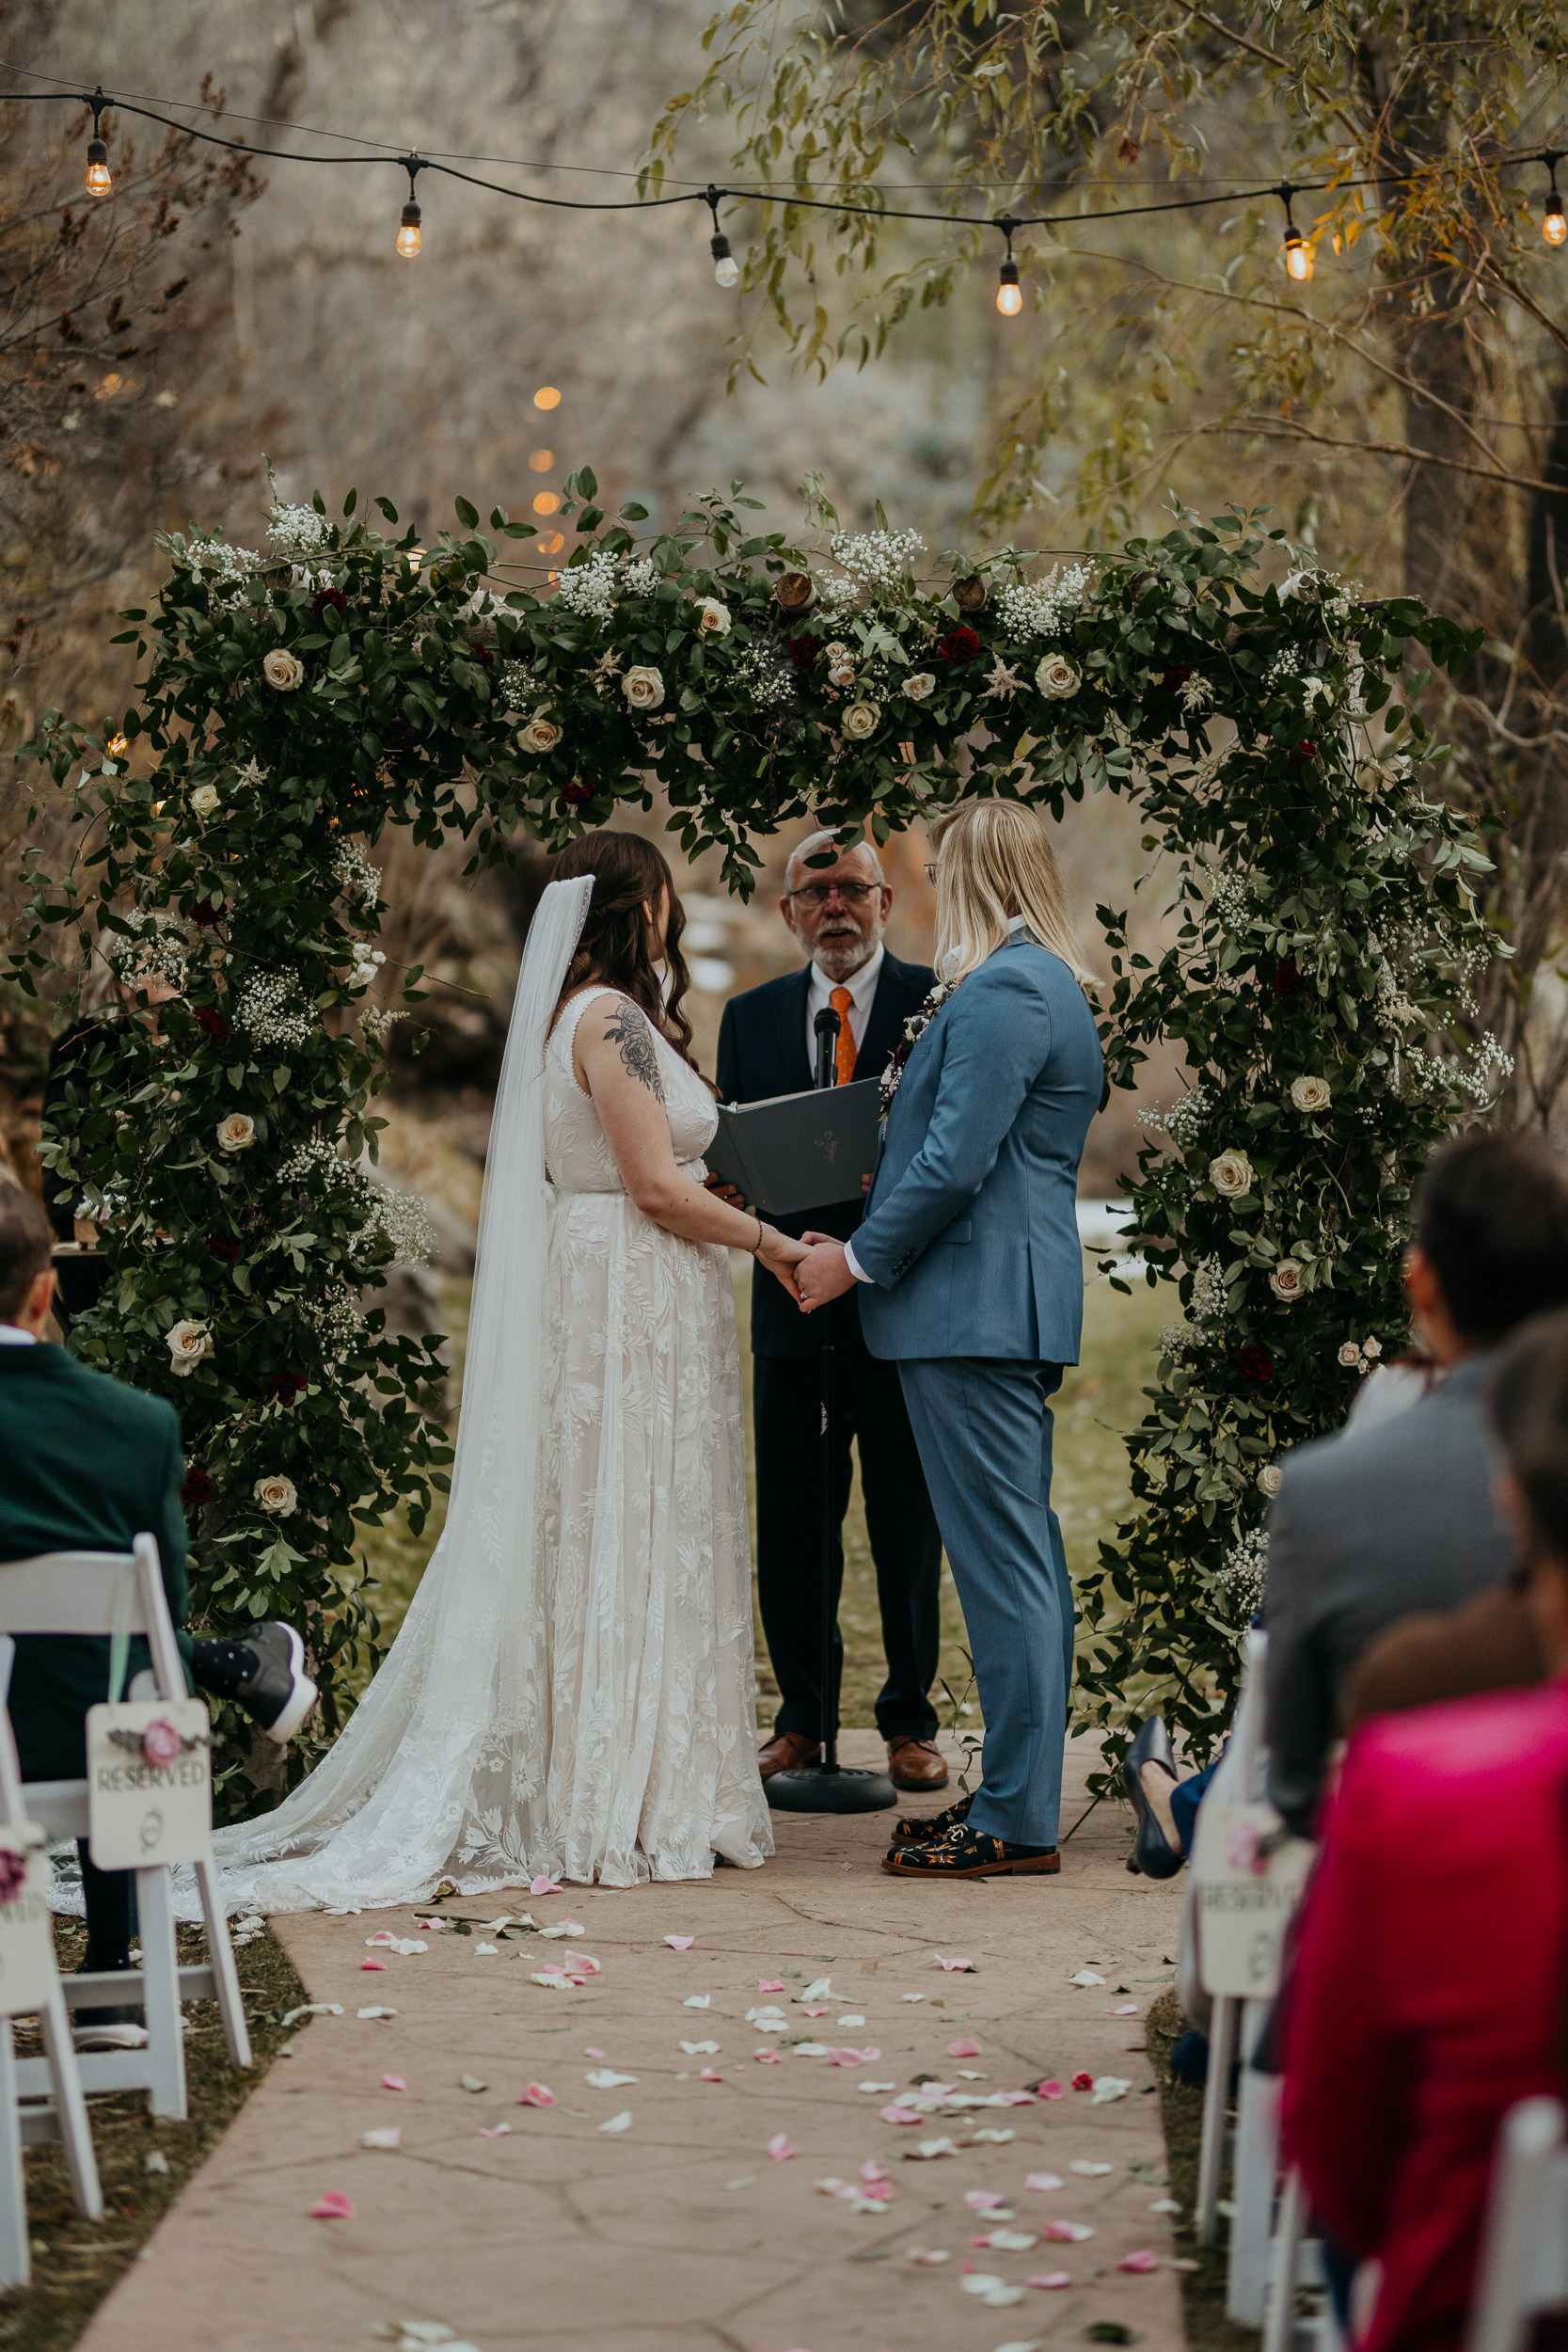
(1489,1644)
(1427,1995)
(88,1465)
(1373,1523)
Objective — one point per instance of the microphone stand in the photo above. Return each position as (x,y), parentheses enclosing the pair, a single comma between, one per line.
(828,1785)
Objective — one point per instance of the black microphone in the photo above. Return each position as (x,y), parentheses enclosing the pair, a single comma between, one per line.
(827,1025)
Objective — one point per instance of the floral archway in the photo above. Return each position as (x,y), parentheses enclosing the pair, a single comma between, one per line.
(300,700)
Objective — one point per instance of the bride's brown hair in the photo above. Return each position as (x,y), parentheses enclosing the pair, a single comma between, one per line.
(629,874)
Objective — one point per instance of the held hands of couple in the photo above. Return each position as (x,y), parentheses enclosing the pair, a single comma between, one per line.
(822,1272)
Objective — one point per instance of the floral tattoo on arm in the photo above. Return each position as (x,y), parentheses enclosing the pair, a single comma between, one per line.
(629,1031)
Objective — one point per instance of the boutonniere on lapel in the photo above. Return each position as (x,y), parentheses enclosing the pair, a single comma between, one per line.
(914,1029)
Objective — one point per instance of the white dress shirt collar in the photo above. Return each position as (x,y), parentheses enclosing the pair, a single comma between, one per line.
(12,1335)
(861,986)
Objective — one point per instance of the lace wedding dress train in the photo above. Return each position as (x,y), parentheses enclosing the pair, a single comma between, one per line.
(572,1688)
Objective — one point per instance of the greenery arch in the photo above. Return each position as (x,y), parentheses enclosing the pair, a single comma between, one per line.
(298,701)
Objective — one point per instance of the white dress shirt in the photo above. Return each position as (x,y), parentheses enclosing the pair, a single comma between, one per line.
(861,986)
(1017,924)
(12,1335)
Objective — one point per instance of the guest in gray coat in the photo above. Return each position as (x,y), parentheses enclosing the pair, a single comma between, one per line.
(1373,1524)
(975,1277)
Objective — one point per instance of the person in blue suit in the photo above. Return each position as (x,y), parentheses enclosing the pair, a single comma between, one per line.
(969,1254)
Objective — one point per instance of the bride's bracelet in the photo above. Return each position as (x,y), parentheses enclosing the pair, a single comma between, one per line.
(757,1244)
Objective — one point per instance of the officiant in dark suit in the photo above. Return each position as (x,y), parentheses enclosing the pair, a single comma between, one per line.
(838,914)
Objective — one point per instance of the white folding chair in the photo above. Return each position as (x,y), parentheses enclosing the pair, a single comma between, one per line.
(64,2119)
(1523,2257)
(87,1593)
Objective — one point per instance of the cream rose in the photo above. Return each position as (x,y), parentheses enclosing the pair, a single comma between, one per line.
(1350,1356)
(1310,1094)
(841,674)
(1284,1280)
(236,1133)
(836,650)
(713,618)
(1372,1347)
(284,670)
(1230,1174)
(1056,677)
(1271,1478)
(860,721)
(918,687)
(540,735)
(188,1342)
(276,1494)
(204,798)
(643,688)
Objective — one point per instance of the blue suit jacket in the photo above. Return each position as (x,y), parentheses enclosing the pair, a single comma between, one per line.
(971,1235)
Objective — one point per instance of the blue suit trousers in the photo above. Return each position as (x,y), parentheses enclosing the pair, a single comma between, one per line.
(984,1428)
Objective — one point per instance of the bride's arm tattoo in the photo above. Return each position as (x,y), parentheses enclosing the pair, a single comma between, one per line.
(629,1031)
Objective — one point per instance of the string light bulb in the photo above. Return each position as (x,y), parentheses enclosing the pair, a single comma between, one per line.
(99,179)
(1299,257)
(726,269)
(409,238)
(1553,226)
(1009,295)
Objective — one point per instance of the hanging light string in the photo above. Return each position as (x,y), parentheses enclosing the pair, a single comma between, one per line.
(1298,251)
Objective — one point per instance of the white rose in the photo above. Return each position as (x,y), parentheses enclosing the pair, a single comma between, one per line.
(643,688)
(276,1494)
(841,674)
(860,721)
(188,1342)
(236,1133)
(713,618)
(204,798)
(540,735)
(1271,1478)
(918,687)
(284,670)
(1056,677)
(836,650)
(1231,1174)
(1310,1094)
(1350,1356)
(1284,1280)
(1372,1347)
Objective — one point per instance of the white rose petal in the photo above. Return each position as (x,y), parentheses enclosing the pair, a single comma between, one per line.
(1231,1174)
(1284,1280)
(236,1133)
(1057,677)
(188,1343)
(1271,1478)
(860,721)
(643,688)
(283,669)
(276,1494)
(918,687)
(1310,1094)
(713,618)
(204,798)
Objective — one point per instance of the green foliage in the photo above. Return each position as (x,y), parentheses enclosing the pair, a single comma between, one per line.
(298,702)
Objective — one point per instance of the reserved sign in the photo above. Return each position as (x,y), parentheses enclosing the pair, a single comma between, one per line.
(27,1929)
(1249,1873)
(149,1783)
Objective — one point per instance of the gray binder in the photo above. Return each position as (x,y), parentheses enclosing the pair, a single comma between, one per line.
(798,1151)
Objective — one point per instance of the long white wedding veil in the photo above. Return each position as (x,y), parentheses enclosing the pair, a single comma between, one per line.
(441,1771)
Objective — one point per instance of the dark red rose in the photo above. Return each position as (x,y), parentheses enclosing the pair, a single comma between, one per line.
(805,650)
(197,1488)
(577,795)
(324,597)
(482,653)
(1254,1362)
(959,644)
(1300,754)
(286,1385)
(1178,674)
(222,1248)
(204,914)
(1290,980)
(214,1023)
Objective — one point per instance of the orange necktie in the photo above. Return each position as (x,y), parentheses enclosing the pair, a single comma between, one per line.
(844,1055)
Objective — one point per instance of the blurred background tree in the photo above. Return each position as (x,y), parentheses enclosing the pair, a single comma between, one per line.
(1402,400)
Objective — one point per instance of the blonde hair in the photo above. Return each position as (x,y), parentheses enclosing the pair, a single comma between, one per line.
(994,861)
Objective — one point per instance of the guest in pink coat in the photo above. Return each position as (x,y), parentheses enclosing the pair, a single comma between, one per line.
(1428,1993)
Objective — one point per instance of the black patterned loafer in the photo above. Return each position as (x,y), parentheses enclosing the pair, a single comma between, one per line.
(922,1828)
(967,1854)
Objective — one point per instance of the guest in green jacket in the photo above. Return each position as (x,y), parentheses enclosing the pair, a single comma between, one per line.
(88,1464)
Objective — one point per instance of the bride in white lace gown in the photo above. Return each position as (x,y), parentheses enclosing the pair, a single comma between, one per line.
(572,1690)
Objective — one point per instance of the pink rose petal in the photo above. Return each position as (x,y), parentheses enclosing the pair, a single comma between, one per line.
(781,2148)
(544,1886)
(708,2075)
(1142,2259)
(430,1927)
(393,2082)
(374,1963)
(1042,2182)
(1050,2279)
(963,2049)
(1125,2009)
(1082,2082)
(848,2058)
(951,1964)
(900,2115)
(680,1943)
(591,2051)
(494,2131)
(770,1984)
(872,2172)
(334,2206)
(536,2095)
(984,2200)
(816,2013)
(1052,2090)
(768,2058)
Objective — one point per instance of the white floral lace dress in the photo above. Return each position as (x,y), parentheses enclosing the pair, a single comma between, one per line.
(646,1545)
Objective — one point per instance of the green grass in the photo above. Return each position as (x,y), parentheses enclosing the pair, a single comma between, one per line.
(1100,1398)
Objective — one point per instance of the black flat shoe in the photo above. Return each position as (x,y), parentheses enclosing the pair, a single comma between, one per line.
(924,1829)
(1153,1855)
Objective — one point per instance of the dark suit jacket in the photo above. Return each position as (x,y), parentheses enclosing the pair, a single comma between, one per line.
(86,1465)
(1369,1527)
(762,1052)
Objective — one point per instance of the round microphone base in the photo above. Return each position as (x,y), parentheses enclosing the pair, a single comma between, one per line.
(813,1788)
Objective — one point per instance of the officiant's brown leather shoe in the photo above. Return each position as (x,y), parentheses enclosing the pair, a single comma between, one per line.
(916,1764)
(786,1751)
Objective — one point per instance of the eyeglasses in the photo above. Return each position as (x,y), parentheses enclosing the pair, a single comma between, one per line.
(852,894)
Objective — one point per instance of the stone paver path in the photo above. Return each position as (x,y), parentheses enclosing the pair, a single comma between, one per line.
(680,2230)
